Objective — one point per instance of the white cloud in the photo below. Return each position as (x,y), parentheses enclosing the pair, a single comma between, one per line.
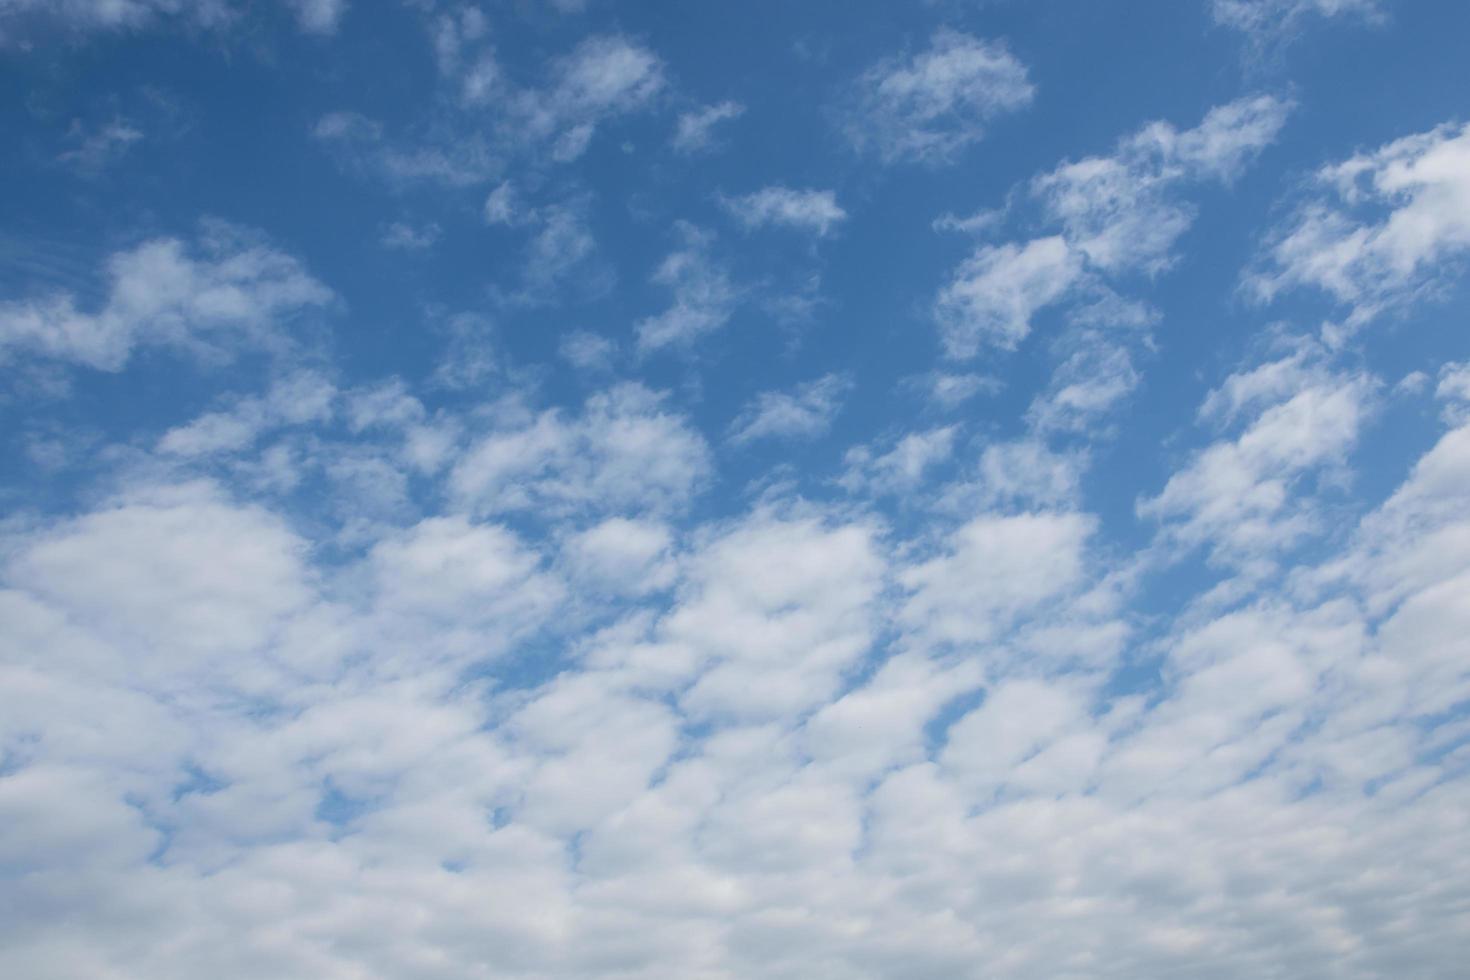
(1027,473)
(950,390)
(457,674)
(1454,390)
(312,16)
(587,351)
(995,569)
(903,467)
(402,236)
(318,16)
(804,210)
(1243,497)
(209,722)
(1096,376)
(562,245)
(97,147)
(805,412)
(694,131)
(297,398)
(933,105)
(1113,215)
(1280,16)
(1388,227)
(603,77)
(474,587)
(978,223)
(503,207)
(620,556)
(106,15)
(227,291)
(774,612)
(995,292)
(1118,210)
(703,297)
(176,579)
(363,144)
(1029,734)
(624,453)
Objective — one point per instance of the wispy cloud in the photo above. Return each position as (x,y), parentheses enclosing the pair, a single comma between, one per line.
(930,106)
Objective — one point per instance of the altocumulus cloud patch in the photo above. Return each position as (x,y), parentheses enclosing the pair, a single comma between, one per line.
(565,490)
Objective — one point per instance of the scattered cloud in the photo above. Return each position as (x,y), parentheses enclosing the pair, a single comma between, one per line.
(226,290)
(931,106)
(625,453)
(1278,17)
(703,300)
(95,148)
(603,77)
(1112,215)
(1243,497)
(587,351)
(996,291)
(458,636)
(805,412)
(694,132)
(902,468)
(1385,228)
(1118,210)
(402,236)
(92,16)
(318,16)
(811,211)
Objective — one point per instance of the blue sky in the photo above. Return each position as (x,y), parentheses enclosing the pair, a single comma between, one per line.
(566,488)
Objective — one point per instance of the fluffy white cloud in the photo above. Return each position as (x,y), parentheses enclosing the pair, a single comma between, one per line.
(96,147)
(996,291)
(1278,16)
(401,235)
(951,390)
(466,589)
(1243,497)
(227,291)
(587,351)
(694,131)
(561,248)
(1118,210)
(462,674)
(704,299)
(294,399)
(1027,473)
(313,16)
(805,210)
(803,413)
(176,579)
(603,77)
(621,556)
(318,16)
(774,612)
(1454,390)
(625,452)
(100,15)
(1389,227)
(209,723)
(550,121)
(1097,375)
(903,467)
(1114,215)
(931,106)
(995,568)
